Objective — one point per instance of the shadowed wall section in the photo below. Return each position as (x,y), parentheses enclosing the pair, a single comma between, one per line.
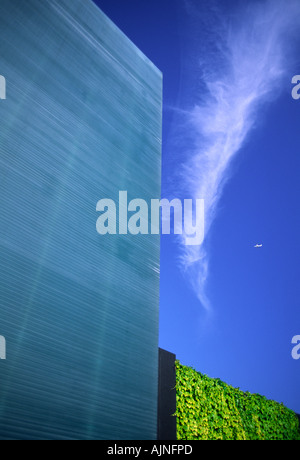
(167,424)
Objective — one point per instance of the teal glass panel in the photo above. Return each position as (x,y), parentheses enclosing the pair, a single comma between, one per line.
(81,121)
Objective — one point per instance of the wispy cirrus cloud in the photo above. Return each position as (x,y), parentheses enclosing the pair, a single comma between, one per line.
(240,71)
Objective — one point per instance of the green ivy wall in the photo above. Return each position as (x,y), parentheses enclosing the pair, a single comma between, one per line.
(209,409)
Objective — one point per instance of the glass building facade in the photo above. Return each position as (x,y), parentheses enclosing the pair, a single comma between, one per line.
(79,312)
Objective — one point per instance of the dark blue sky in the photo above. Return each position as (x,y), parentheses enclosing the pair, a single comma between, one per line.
(245,339)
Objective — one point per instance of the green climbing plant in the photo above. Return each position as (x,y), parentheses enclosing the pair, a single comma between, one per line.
(209,409)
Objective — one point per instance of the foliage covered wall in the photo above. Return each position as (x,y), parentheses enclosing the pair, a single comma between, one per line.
(209,409)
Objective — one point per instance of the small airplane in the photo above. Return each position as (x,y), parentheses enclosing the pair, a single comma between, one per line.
(258,246)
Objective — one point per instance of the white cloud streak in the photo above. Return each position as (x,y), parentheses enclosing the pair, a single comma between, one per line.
(244,71)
